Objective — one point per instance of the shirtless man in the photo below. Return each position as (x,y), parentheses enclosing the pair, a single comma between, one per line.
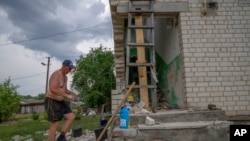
(55,105)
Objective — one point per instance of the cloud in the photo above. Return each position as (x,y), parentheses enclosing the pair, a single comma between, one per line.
(31,30)
(45,18)
(85,46)
(20,66)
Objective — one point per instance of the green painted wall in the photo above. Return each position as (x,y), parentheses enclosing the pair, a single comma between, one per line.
(168,76)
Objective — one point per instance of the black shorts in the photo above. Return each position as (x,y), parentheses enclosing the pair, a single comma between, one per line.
(56,109)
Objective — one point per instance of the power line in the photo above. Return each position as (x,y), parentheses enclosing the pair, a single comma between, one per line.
(26,92)
(24,77)
(48,36)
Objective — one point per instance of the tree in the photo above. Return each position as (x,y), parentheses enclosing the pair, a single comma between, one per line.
(26,97)
(41,96)
(94,77)
(9,100)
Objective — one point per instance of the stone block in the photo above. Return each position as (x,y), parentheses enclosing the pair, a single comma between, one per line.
(130,132)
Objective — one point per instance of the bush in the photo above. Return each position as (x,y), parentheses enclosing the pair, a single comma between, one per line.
(22,116)
(9,100)
(77,114)
(35,116)
(45,116)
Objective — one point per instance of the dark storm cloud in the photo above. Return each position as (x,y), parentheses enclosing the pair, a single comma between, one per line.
(40,18)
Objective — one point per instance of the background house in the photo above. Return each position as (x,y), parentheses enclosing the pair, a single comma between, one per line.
(28,106)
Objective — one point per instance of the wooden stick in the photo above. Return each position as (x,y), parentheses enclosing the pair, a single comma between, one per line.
(116,111)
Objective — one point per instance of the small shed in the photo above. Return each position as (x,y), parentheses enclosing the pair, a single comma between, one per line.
(28,106)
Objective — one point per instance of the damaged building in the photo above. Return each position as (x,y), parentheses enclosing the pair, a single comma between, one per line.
(183,53)
(188,58)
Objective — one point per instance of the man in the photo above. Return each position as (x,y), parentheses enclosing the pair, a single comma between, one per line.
(55,105)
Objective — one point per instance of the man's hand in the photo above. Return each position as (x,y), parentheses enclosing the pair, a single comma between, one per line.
(70,97)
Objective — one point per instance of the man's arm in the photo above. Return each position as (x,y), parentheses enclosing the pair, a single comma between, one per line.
(72,94)
(69,91)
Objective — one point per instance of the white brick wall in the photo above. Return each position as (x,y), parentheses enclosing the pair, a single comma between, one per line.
(216,56)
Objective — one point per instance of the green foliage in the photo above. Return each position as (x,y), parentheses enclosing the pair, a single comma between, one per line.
(22,116)
(26,97)
(35,116)
(77,113)
(22,128)
(40,96)
(9,100)
(45,116)
(95,98)
(94,77)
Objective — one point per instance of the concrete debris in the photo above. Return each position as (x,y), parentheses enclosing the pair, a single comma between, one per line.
(87,136)
(141,104)
(149,121)
(91,112)
(19,138)
(186,125)
(138,109)
(130,132)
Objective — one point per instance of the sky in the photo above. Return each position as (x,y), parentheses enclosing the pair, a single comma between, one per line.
(33,30)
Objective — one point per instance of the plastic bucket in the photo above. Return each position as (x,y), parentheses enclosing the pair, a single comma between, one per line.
(103,122)
(77,132)
(98,133)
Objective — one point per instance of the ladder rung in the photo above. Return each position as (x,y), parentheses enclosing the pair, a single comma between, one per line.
(141,27)
(144,86)
(140,64)
(143,44)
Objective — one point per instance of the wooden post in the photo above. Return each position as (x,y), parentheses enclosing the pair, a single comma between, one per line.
(142,71)
(116,111)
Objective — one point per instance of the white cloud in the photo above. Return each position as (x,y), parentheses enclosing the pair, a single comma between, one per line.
(85,46)
(23,67)
(107,10)
(25,70)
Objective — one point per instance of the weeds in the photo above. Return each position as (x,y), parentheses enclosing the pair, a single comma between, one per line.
(24,125)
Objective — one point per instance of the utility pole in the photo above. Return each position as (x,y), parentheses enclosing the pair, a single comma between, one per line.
(47,76)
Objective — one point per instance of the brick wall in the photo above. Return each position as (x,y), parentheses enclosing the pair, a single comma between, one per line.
(215,51)
(216,56)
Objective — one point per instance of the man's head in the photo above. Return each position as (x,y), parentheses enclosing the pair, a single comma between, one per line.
(69,64)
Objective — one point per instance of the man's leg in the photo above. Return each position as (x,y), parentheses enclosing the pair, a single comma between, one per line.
(69,119)
(52,130)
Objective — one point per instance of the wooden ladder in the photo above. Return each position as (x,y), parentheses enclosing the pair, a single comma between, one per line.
(140,37)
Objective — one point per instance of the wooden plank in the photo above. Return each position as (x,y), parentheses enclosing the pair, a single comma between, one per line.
(116,111)
(142,71)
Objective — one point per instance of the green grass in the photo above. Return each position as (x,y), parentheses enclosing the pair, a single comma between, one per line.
(27,126)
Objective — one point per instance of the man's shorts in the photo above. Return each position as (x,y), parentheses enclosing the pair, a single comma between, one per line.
(56,109)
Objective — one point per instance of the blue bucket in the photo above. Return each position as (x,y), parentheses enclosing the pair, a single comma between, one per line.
(103,122)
